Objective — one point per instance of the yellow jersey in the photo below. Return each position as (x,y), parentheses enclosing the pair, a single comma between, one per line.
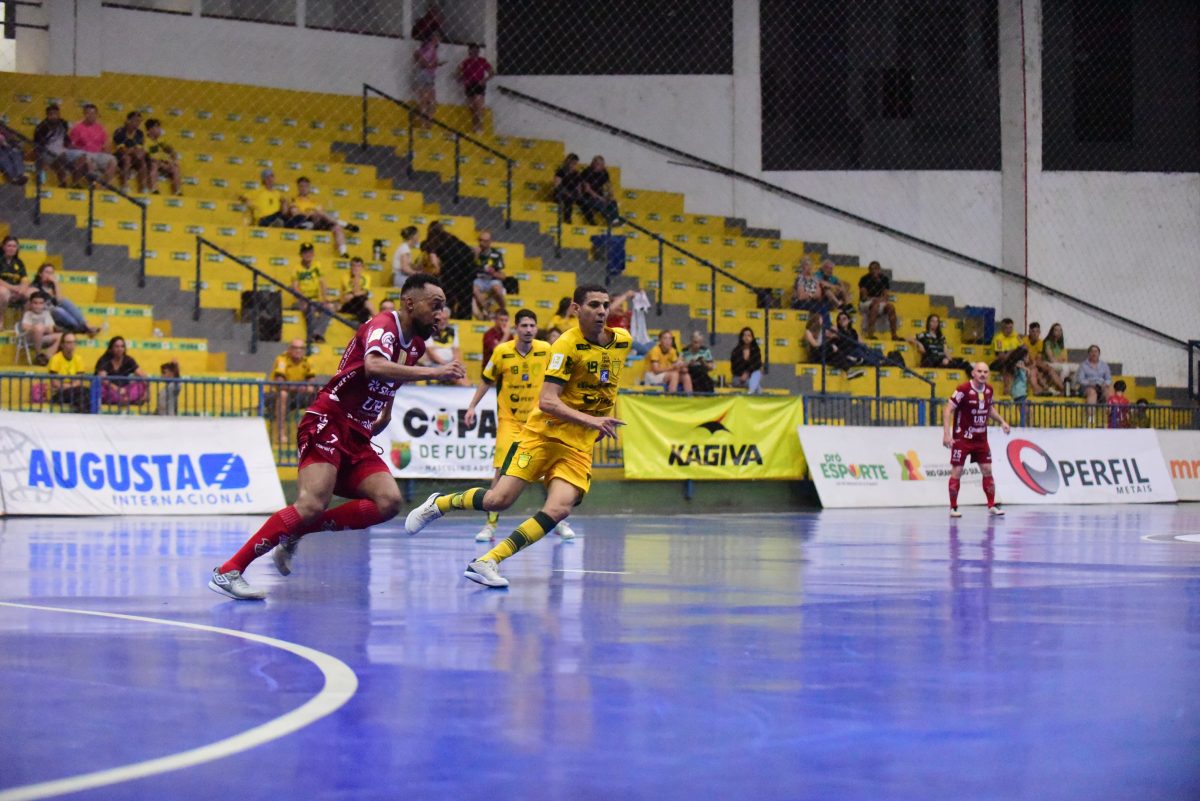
(1004,344)
(563,324)
(1034,350)
(518,379)
(287,370)
(61,365)
(264,202)
(590,376)
(348,283)
(163,150)
(305,204)
(307,281)
(664,359)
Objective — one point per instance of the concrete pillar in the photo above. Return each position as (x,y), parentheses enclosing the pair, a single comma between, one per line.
(76,37)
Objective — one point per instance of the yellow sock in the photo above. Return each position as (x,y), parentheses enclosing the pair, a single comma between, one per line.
(467,499)
(525,535)
(493,518)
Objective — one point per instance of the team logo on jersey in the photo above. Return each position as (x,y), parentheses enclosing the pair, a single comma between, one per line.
(523,460)
(1044,479)
(556,362)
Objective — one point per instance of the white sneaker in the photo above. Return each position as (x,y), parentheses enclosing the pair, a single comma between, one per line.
(282,555)
(487,533)
(995,511)
(955,513)
(234,586)
(485,572)
(422,516)
(564,530)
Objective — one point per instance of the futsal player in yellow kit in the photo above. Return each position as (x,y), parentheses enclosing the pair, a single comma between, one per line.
(515,369)
(575,406)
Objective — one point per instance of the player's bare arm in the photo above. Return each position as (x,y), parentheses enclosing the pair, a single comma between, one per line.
(550,401)
(480,391)
(948,423)
(995,415)
(379,366)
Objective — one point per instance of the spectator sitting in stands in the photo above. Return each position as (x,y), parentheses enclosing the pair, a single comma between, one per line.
(745,363)
(356,292)
(51,140)
(814,339)
(1045,373)
(443,348)
(488,286)
(566,187)
(699,361)
(15,288)
(163,158)
(474,73)
(66,314)
(129,148)
(12,160)
(66,387)
(168,394)
(1118,407)
(456,268)
(1094,378)
(307,281)
(874,300)
(121,375)
(425,77)
(836,294)
(291,391)
(498,333)
(596,193)
(89,136)
(565,317)
(403,263)
(1008,353)
(37,326)
(845,351)
(1141,414)
(932,345)
(388,305)
(306,212)
(807,293)
(664,368)
(1054,357)
(268,206)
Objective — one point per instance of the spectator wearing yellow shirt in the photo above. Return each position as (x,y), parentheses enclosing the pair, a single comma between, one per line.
(164,158)
(306,212)
(664,368)
(268,205)
(308,282)
(564,319)
(66,386)
(356,292)
(291,372)
(1009,352)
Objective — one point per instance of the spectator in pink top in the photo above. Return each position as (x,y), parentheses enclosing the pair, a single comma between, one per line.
(474,73)
(425,79)
(89,136)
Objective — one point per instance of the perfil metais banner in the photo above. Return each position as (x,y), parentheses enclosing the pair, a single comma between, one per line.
(726,437)
(73,464)
(859,466)
(429,437)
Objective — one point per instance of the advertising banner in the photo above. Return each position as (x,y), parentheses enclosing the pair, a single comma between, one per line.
(861,466)
(726,437)
(429,438)
(74,464)
(1062,466)
(1181,449)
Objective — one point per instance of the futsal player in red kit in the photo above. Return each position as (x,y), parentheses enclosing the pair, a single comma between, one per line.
(967,413)
(334,435)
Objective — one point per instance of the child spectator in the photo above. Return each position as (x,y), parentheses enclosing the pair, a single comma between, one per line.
(566,187)
(474,73)
(1118,407)
(89,136)
(129,149)
(403,261)
(120,372)
(37,326)
(67,388)
(15,288)
(745,362)
(168,395)
(66,314)
(356,292)
(308,282)
(163,158)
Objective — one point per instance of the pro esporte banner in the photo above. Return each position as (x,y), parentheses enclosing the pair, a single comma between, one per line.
(428,436)
(726,437)
(73,464)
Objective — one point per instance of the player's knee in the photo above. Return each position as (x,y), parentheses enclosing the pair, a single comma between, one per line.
(308,507)
(497,500)
(388,506)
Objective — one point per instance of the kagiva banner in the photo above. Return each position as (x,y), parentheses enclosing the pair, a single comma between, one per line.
(1060,466)
(73,464)
(726,437)
(428,437)
(860,466)
(1181,449)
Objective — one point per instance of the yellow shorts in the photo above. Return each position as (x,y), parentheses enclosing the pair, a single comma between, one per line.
(534,457)
(507,432)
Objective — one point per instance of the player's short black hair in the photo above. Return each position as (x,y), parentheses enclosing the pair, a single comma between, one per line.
(526,314)
(418,281)
(583,290)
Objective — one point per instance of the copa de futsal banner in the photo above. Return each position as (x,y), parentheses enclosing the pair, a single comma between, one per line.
(77,464)
(429,436)
(725,437)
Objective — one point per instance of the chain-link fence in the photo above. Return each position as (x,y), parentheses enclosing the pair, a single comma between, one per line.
(721,146)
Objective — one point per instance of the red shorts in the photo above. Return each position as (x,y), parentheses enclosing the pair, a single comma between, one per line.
(333,439)
(978,450)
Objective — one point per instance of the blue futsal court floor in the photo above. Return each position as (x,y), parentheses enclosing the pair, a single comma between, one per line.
(836,655)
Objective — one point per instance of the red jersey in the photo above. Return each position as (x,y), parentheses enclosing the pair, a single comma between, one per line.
(972,409)
(475,71)
(351,392)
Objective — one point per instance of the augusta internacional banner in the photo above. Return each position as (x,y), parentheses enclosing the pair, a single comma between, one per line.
(429,436)
(84,464)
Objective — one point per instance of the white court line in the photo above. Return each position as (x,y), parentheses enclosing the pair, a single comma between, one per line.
(340,686)
(561,570)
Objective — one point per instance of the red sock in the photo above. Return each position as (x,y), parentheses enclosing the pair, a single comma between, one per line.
(285,522)
(954,484)
(350,516)
(989,489)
